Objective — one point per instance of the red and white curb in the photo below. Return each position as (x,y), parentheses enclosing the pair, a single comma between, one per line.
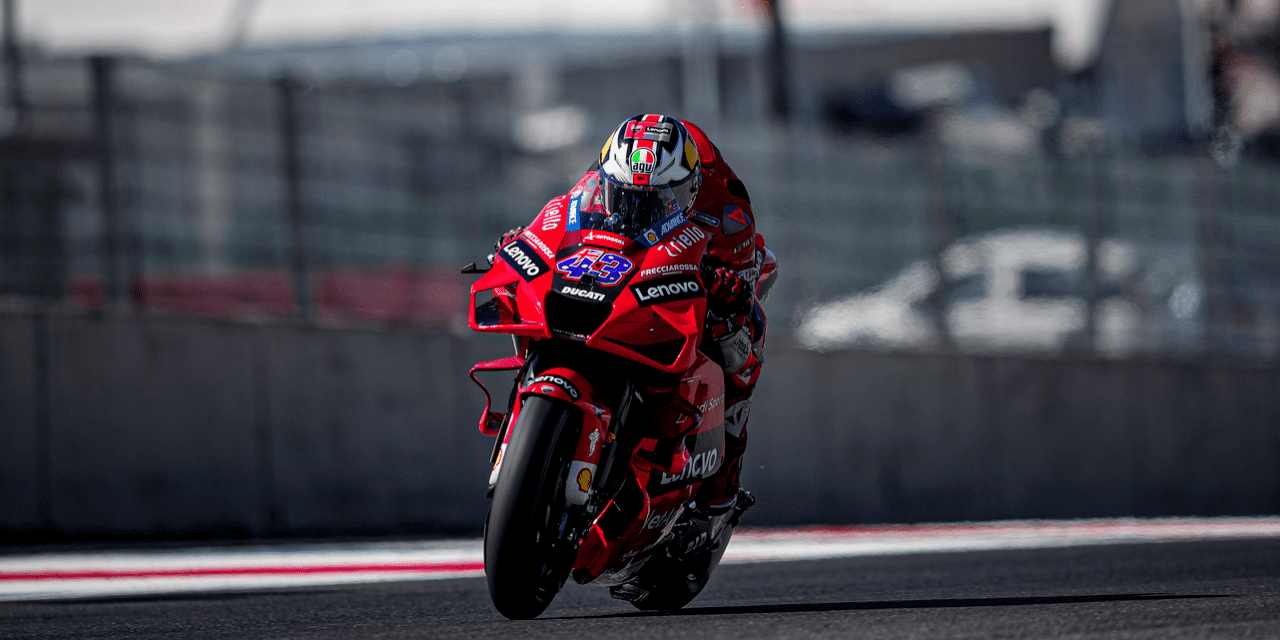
(72,575)
(78,575)
(814,543)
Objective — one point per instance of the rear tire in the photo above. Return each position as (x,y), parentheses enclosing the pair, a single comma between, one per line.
(673,582)
(525,559)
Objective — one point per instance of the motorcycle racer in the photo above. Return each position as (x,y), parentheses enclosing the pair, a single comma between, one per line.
(654,171)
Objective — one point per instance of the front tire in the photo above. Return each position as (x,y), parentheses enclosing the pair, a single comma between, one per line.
(526,558)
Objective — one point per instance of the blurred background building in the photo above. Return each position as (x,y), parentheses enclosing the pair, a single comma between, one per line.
(345,177)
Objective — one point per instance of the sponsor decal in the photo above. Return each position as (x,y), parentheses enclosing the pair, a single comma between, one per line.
(523,259)
(605,267)
(668,268)
(659,132)
(671,224)
(577,490)
(687,238)
(705,218)
(606,237)
(750,275)
(735,219)
(552,217)
(660,520)
(497,465)
(573,215)
(568,387)
(667,289)
(700,466)
(735,417)
(735,349)
(693,545)
(642,161)
(582,293)
(537,242)
(745,243)
(711,404)
(664,227)
(736,214)
(591,441)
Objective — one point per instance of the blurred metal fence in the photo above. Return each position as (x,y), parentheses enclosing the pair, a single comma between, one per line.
(1107,250)
(157,188)
(150,187)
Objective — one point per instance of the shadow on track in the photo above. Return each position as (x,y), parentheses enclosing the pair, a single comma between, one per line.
(916,604)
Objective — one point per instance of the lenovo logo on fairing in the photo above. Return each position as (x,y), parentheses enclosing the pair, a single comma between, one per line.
(646,294)
(667,289)
(523,259)
(568,387)
(701,465)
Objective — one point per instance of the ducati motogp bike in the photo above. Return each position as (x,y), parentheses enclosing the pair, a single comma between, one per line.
(615,418)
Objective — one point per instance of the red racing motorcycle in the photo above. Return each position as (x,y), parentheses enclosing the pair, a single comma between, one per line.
(615,418)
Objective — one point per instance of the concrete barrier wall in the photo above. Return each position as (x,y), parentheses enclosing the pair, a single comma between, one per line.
(865,437)
(191,427)
(20,442)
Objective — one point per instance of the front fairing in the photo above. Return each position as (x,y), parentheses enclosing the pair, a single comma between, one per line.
(639,298)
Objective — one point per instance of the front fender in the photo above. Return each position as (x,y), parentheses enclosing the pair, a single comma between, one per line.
(571,387)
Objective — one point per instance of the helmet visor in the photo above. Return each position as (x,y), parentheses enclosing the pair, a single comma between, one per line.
(630,209)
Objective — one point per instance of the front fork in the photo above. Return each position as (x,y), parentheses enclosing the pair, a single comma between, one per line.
(595,472)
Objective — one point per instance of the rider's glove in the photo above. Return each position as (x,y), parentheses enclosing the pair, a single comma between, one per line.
(507,238)
(728,295)
(503,241)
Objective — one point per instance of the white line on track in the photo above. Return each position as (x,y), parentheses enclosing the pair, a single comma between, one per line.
(78,575)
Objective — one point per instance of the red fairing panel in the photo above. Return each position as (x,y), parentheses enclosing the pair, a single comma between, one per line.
(654,288)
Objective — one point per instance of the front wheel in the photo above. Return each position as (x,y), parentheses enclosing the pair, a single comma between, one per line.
(526,554)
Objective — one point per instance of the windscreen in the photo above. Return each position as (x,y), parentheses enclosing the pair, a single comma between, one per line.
(625,209)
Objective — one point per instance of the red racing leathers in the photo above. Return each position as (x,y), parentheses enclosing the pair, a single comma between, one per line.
(723,210)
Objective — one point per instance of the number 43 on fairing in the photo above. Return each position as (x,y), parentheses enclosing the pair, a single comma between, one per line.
(607,268)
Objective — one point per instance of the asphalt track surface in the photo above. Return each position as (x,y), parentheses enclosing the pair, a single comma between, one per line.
(1206,589)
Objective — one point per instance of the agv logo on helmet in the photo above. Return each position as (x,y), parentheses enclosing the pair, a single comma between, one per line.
(642,161)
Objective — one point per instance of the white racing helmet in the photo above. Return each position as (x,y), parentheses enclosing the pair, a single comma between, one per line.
(648,171)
